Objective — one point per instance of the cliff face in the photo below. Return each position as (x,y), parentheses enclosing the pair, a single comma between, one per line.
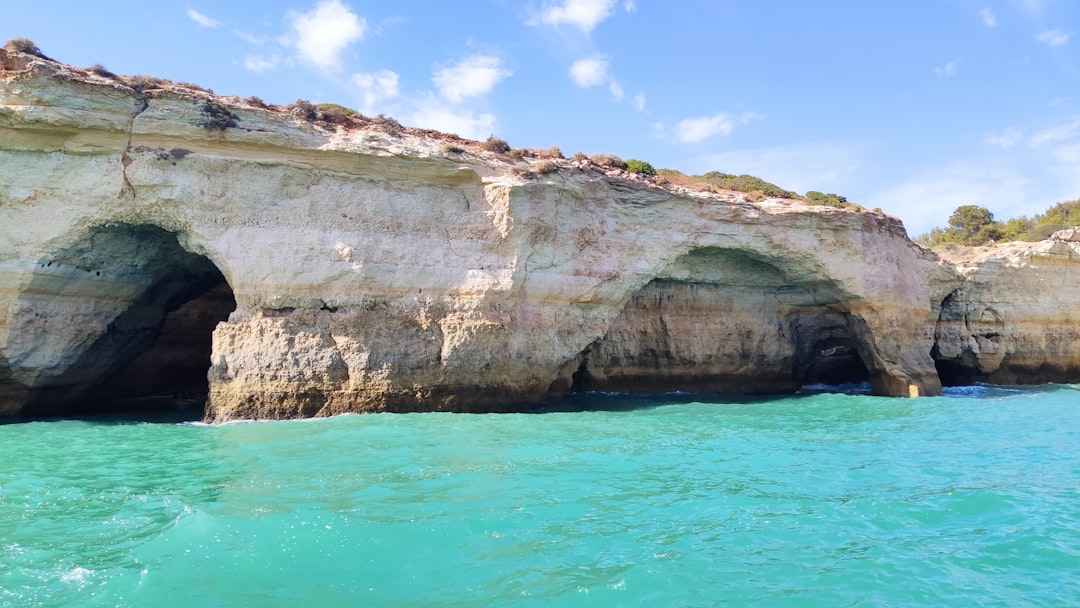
(1013,317)
(377,268)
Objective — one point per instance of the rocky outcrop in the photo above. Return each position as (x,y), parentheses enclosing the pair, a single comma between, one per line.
(377,268)
(1013,314)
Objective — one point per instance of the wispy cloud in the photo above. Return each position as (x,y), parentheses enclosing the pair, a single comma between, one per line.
(698,129)
(250,38)
(1055,134)
(630,6)
(202,19)
(1054,37)
(259,64)
(1006,139)
(472,77)
(948,70)
(616,89)
(988,17)
(323,34)
(639,102)
(583,14)
(375,88)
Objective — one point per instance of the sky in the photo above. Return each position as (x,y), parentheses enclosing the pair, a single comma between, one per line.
(912,106)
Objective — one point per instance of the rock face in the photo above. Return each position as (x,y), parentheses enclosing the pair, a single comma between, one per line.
(1014,315)
(376,268)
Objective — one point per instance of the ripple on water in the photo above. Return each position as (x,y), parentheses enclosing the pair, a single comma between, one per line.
(817,499)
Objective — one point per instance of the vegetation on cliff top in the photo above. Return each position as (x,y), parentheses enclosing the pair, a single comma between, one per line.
(973,225)
(218,117)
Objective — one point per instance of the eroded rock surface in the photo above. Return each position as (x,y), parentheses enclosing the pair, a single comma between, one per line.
(1014,315)
(376,268)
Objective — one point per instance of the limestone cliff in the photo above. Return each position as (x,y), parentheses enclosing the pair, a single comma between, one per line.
(378,268)
(1013,315)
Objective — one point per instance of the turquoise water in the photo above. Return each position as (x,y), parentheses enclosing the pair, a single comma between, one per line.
(817,500)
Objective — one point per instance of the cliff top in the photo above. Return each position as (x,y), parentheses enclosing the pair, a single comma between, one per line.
(341,128)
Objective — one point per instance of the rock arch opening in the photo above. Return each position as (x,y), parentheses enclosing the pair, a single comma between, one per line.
(120,319)
(729,321)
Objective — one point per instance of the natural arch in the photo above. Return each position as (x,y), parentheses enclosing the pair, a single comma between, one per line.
(729,321)
(122,312)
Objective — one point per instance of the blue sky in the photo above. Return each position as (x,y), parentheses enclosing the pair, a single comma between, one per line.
(914,106)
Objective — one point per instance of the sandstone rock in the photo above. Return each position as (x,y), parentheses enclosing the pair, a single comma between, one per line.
(373,272)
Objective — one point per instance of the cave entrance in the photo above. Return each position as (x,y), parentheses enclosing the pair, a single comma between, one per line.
(121,320)
(729,321)
(833,357)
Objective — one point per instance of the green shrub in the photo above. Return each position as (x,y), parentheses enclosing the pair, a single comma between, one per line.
(972,225)
(746,183)
(634,165)
(829,200)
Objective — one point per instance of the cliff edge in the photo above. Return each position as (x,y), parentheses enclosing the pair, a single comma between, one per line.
(355,265)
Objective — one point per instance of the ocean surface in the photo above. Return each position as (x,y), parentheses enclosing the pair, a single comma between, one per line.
(972,499)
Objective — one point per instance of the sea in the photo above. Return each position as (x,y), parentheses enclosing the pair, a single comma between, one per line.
(822,498)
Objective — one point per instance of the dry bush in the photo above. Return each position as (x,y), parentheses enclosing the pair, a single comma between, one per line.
(496,145)
(545,167)
(100,70)
(25,45)
(517,153)
(452,149)
(552,152)
(579,157)
(145,83)
(608,160)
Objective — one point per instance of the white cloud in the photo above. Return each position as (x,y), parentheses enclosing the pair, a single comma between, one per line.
(1051,135)
(825,166)
(590,72)
(948,70)
(202,19)
(630,6)
(320,36)
(616,90)
(376,88)
(584,14)
(988,17)
(1006,139)
(257,64)
(472,77)
(432,112)
(639,102)
(698,129)
(1054,37)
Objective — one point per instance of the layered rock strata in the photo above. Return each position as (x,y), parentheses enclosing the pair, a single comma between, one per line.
(377,268)
(1014,315)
